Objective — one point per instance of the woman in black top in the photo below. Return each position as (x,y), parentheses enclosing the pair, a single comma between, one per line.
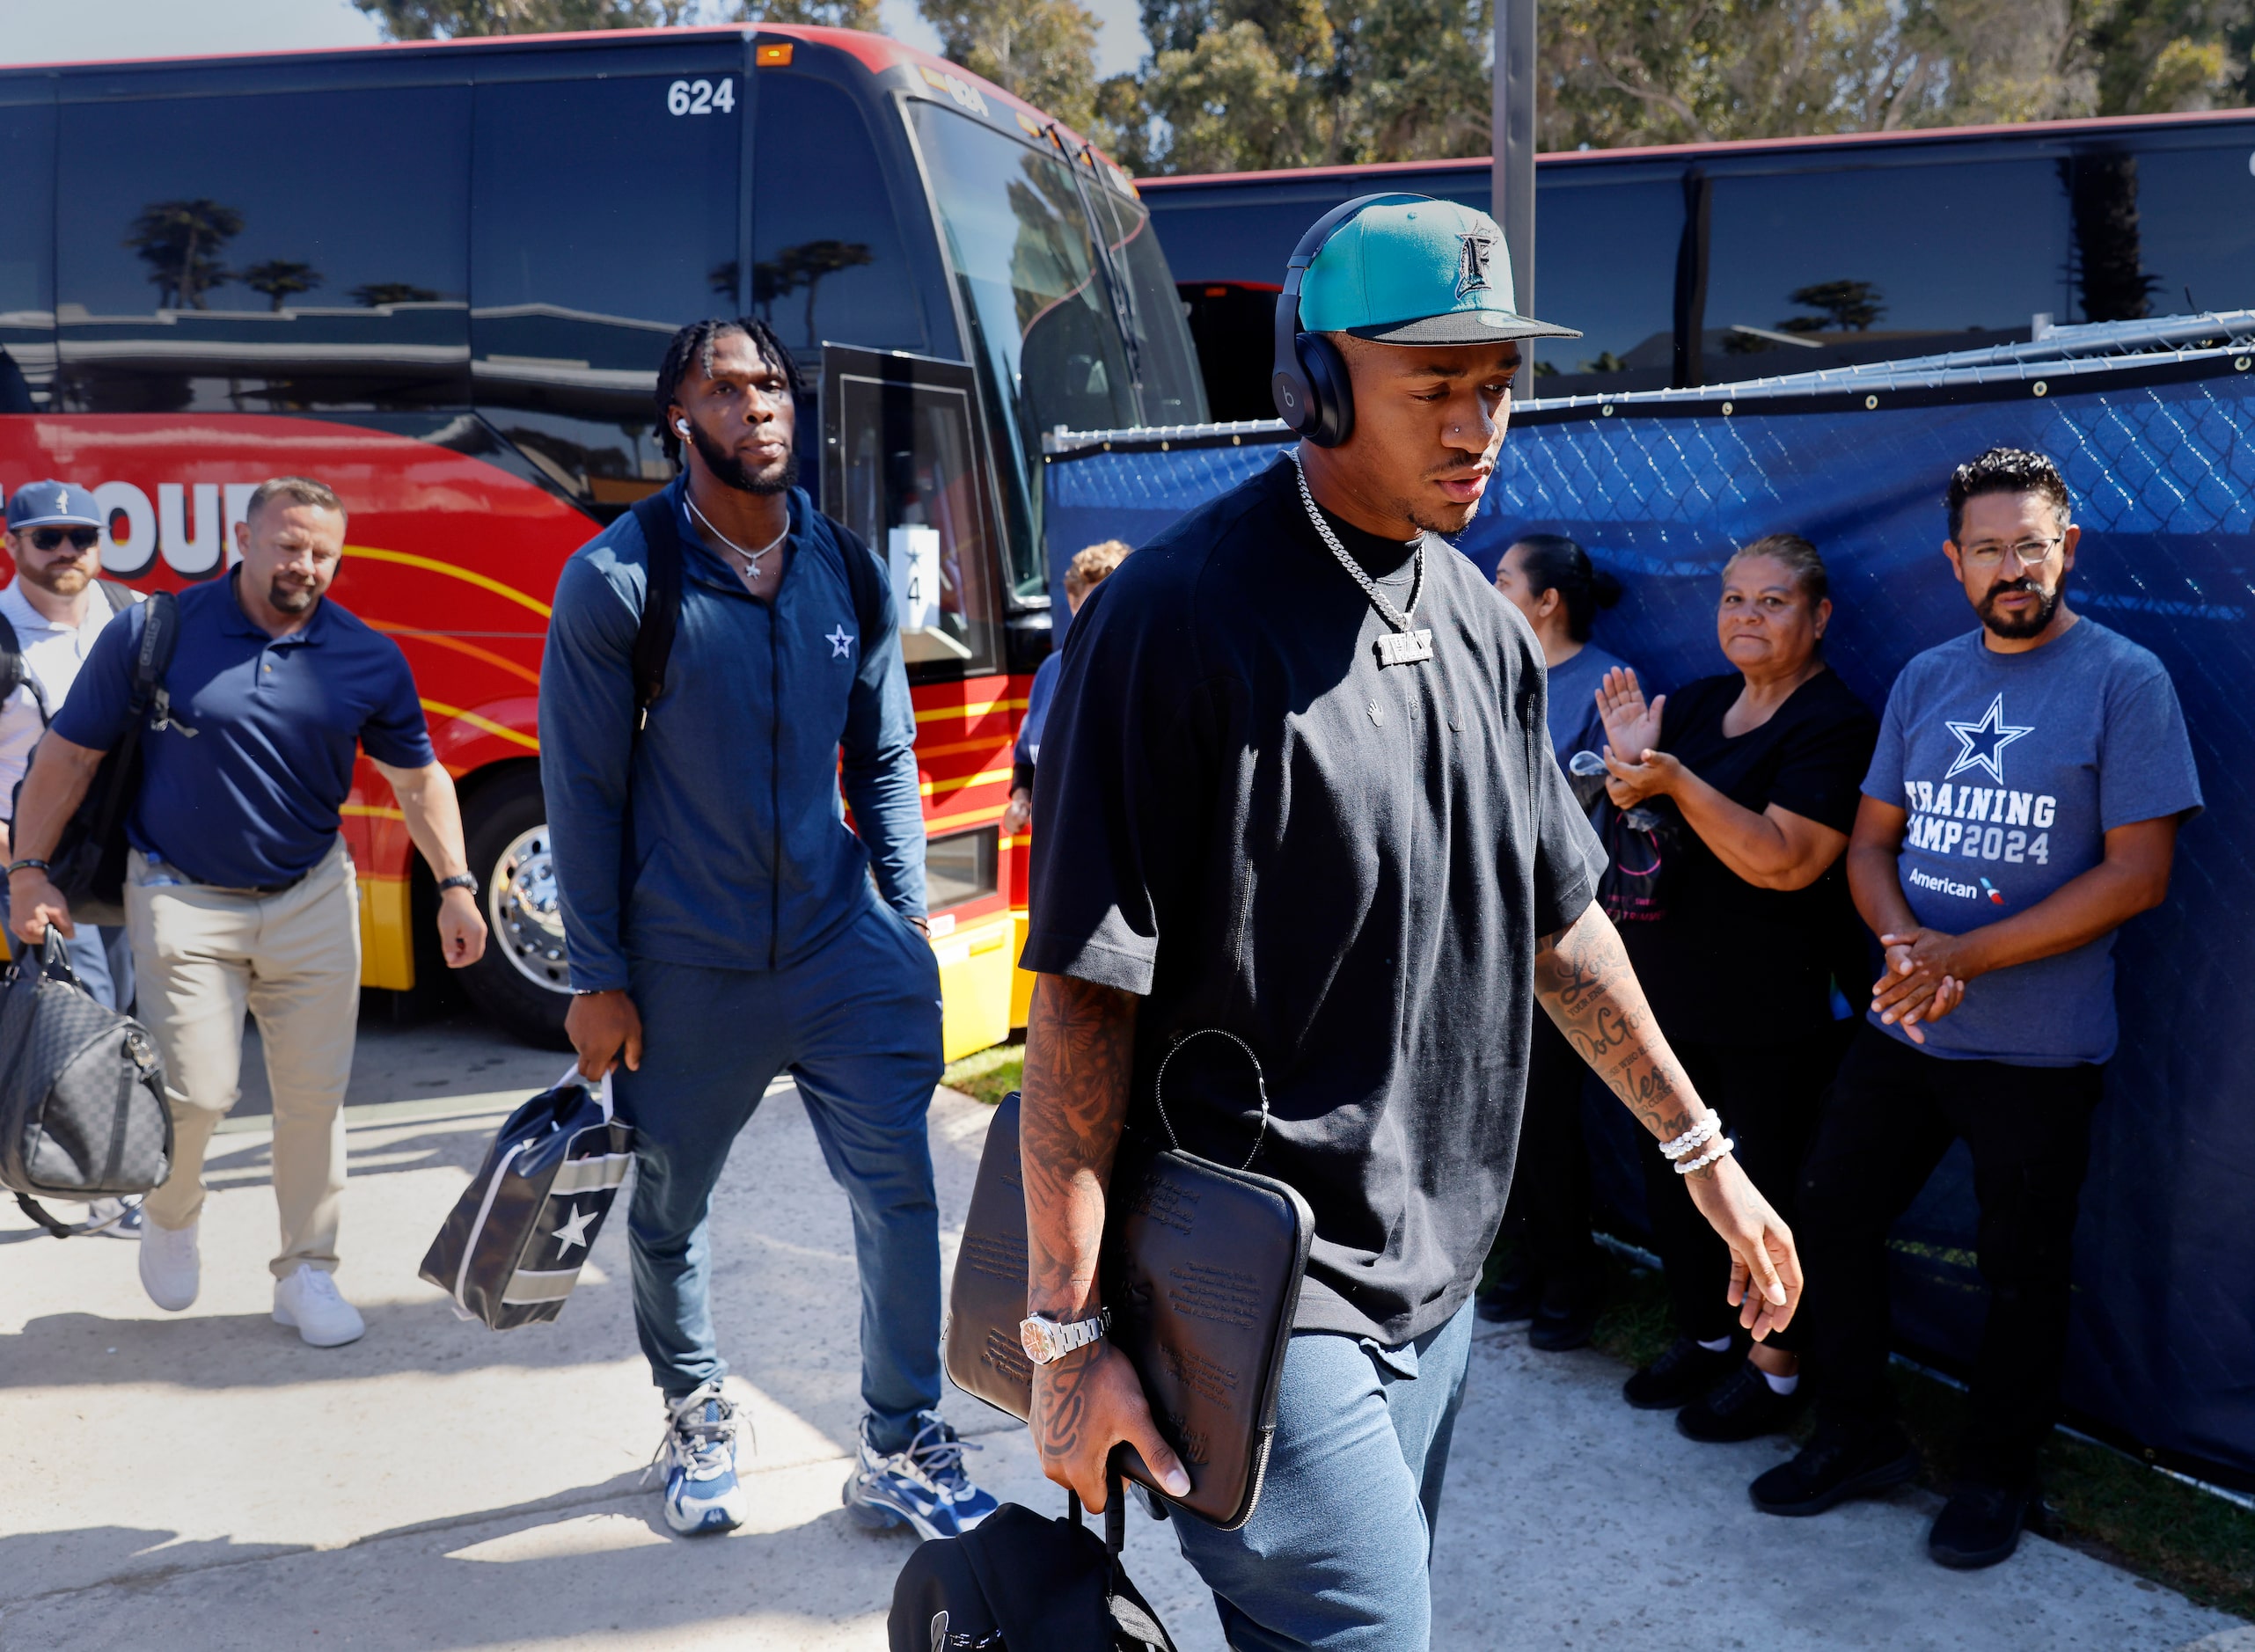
(1763,767)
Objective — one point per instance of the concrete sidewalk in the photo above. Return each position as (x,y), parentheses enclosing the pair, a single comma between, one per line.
(206,1480)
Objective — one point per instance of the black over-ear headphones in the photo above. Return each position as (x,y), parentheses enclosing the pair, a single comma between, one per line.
(1309,380)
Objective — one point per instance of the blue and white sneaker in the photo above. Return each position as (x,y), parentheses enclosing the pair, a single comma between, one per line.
(699,1453)
(924,1486)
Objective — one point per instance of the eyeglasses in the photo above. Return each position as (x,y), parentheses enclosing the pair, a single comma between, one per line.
(2030,553)
(83,538)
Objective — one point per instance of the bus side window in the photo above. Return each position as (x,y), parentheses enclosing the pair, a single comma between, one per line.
(2190,245)
(1820,266)
(263,253)
(26,257)
(600,222)
(827,257)
(1605,264)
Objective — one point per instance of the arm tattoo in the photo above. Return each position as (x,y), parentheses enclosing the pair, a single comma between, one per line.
(1079,1054)
(1583,981)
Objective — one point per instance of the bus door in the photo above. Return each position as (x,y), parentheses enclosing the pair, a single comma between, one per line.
(905,467)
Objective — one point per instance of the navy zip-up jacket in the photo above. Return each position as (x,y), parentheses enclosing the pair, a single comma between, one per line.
(716,838)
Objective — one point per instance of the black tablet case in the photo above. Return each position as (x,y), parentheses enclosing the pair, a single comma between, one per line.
(1201,1269)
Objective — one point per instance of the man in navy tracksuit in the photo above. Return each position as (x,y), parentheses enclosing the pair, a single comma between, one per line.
(721,918)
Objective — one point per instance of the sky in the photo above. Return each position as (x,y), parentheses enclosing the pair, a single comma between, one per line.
(51,31)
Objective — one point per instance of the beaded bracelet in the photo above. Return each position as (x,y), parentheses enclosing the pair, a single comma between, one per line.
(1707,1158)
(1676,1147)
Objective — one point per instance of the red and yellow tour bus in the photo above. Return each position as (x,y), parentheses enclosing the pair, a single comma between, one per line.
(440,276)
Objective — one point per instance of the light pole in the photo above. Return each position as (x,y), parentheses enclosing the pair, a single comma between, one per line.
(1512,139)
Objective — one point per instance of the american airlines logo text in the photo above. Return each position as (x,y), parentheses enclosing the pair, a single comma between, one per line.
(1943,886)
(190,525)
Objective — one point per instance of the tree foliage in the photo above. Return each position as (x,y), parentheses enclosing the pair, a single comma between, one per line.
(824,14)
(1239,84)
(1235,85)
(1044,50)
(458,19)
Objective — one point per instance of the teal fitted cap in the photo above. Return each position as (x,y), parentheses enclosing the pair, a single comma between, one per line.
(1409,269)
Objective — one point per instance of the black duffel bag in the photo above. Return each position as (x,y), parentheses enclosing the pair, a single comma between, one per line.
(82,1092)
(512,1247)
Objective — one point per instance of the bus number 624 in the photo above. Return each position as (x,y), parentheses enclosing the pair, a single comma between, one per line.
(700,97)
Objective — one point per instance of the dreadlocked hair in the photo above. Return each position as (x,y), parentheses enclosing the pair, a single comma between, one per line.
(693,345)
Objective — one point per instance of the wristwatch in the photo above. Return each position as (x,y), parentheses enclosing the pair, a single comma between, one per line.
(460,880)
(1046,1339)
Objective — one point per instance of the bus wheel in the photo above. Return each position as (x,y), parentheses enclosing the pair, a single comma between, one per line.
(522,981)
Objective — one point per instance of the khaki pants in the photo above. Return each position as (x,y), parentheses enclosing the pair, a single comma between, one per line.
(201,956)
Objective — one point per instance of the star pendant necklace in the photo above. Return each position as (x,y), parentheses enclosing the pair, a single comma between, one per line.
(1404,645)
(750,558)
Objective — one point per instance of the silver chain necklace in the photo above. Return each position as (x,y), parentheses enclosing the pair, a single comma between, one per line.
(1404,646)
(752,558)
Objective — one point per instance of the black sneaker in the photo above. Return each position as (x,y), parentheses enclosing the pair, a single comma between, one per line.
(1567,1319)
(1742,1407)
(1679,1376)
(1838,1463)
(1511,1299)
(1980,1525)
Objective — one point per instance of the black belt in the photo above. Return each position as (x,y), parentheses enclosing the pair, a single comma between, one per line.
(240,889)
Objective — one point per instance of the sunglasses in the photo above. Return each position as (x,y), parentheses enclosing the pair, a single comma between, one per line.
(82,538)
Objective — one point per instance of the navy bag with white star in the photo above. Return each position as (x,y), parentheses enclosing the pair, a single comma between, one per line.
(512,1249)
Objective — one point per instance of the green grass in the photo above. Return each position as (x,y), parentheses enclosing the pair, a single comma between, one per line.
(2104,1503)
(990,1075)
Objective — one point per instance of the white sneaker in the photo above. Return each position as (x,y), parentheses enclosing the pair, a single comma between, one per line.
(699,1453)
(169,1267)
(308,1301)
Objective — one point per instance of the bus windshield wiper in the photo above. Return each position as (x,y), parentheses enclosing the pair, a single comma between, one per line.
(1122,306)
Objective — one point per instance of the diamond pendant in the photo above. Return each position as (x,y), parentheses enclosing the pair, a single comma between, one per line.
(1405,647)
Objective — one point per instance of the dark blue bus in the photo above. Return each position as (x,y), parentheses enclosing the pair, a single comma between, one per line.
(1706,263)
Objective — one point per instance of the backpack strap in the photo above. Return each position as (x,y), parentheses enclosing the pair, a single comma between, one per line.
(118,596)
(13,673)
(661,601)
(160,634)
(863,577)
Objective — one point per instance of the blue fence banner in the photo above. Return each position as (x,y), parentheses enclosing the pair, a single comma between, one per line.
(2160,458)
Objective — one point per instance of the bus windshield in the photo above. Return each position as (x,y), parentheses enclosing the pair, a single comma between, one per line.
(1075,336)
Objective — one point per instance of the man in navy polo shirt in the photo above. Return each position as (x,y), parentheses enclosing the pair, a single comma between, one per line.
(238,892)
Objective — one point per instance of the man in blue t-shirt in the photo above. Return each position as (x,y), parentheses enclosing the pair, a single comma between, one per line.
(240,894)
(2022,804)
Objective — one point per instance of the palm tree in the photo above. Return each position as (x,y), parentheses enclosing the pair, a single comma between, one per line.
(375,294)
(180,241)
(281,279)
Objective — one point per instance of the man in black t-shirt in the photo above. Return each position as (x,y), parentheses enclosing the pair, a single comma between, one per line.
(1296,785)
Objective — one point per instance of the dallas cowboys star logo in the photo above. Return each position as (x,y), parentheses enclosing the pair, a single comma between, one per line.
(574,1231)
(1982,745)
(838,641)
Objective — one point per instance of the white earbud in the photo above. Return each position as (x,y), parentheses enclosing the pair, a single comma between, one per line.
(682,425)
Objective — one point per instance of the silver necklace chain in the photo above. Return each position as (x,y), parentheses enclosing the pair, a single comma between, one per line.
(751,557)
(1397,617)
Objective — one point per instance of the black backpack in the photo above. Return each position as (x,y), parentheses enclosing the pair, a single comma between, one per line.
(87,863)
(662,596)
(1016,1582)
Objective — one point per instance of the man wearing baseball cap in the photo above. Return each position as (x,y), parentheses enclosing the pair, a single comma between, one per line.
(50,614)
(1297,785)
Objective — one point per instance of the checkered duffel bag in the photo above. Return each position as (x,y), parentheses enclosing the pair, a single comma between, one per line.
(82,1092)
